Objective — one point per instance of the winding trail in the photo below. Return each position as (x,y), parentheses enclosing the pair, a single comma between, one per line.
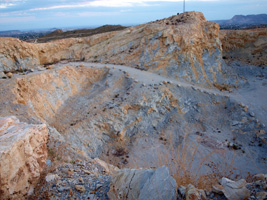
(253,95)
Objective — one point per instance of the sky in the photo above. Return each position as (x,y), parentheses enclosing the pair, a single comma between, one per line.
(42,14)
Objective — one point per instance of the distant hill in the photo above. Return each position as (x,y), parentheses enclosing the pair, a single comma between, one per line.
(60,34)
(9,33)
(243,21)
(25,35)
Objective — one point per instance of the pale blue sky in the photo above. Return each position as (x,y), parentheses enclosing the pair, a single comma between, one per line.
(35,14)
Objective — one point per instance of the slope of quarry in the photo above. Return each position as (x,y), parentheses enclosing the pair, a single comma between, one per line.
(149,106)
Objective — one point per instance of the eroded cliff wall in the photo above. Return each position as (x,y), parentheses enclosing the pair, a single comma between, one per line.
(184,46)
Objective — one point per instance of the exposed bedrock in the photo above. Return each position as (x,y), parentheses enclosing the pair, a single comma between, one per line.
(135,118)
(23,155)
(134,184)
(247,46)
(157,111)
(184,46)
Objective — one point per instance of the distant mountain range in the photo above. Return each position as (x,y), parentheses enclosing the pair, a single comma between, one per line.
(243,21)
(25,35)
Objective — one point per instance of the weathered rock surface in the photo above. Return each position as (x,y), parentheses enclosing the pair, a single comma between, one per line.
(23,156)
(136,184)
(17,55)
(235,190)
(133,118)
(184,46)
(247,46)
(193,193)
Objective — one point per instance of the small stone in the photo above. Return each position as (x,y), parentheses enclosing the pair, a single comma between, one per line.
(114,67)
(70,172)
(235,190)
(62,189)
(218,189)
(235,123)
(252,114)
(81,179)
(80,188)
(48,163)
(81,65)
(3,75)
(98,186)
(86,172)
(182,191)
(242,105)
(261,177)
(202,194)
(51,177)
(50,66)
(31,70)
(41,69)
(192,193)
(9,75)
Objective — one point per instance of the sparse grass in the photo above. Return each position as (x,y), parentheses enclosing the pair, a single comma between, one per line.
(183,167)
(188,165)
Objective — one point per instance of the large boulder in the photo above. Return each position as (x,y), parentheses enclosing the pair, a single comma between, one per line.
(235,190)
(142,184)
(23,155)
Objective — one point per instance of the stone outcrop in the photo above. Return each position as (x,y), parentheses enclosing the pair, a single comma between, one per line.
(235,190)
(184,46)
(193,193)
(132,118)
(134,184)
(17,55)
(247,46)
(23,156)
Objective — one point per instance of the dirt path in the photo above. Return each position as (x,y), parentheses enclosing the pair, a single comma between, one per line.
(253,95)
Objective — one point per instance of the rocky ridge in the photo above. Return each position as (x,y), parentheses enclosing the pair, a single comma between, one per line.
(139,116)
(182,47)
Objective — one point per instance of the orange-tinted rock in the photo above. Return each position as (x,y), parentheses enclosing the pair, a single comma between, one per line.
(23,156)
(247,46)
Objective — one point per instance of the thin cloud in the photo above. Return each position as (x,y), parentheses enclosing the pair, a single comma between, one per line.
(108,3)
(6,5)
(9,3)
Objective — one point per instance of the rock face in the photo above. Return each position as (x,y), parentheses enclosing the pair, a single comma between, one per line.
(247,46)
(142,184)
(130,117)
(235,190)
(184,46)
(23,156)
(17,55)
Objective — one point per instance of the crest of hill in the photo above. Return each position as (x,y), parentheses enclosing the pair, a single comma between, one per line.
(248,19)
(60,34)
(187,17)
(243,21)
